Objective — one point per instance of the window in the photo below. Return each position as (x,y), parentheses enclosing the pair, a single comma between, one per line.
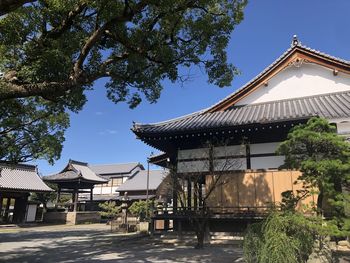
(117,181)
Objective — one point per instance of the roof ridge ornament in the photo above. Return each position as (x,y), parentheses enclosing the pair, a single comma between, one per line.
(295,41)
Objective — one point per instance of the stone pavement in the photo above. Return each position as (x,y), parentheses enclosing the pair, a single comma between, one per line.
(94,243)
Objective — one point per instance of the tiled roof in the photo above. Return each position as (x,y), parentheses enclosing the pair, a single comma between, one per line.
(330,106)
(203,118)
(117,168)
(139,181)
(21,178)
(76,170)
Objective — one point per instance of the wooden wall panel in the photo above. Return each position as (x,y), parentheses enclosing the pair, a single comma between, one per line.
(230,193)
(264,188)
(282,181)
(254,189)
(246,186)
(214,199)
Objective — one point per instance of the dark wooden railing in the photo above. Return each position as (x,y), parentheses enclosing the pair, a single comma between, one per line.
(219,211)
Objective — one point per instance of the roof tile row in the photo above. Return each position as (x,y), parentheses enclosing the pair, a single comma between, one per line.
(330,106)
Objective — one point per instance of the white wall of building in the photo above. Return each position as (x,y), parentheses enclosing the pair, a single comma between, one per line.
(195,162)
(193,153)
(31,212)
(261,148)
(343,128)
(223,151)
(230,164)
(294,82)
(267,162)
(192,166)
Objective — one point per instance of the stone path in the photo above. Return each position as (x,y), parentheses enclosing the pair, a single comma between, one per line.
(94,243)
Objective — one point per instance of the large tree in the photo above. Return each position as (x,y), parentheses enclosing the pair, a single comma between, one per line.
(52,51)
(323,157)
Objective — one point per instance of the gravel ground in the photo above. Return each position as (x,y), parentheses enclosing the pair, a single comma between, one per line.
(94,243)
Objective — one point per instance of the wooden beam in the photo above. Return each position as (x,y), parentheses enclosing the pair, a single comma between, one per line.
(189,193)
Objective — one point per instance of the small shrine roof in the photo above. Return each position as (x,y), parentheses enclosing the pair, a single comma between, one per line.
(21,177)
(76,171)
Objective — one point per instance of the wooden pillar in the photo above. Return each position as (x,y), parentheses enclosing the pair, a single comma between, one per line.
(75,200)
(195,196)
(7,207)
(58,195)
(189,193)
(200,194)
(1,198)
(179,230)
(91,198)
(175,192)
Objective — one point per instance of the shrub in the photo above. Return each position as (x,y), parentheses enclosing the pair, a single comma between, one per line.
(282,237)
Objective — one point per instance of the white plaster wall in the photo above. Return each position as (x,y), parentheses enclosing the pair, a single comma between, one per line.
(96,190)
(193,153)
(293,82)
(266,162)
(233,150)
(260,148)
(193,166)
(230,164)
(31,212)
(343,128)
(106,190)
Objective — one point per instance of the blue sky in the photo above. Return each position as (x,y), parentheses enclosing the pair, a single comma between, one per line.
(100,133)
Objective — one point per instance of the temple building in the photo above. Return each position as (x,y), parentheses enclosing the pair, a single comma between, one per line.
(89,185)
(238,136)
(75,178)
(146,185)
(17,181)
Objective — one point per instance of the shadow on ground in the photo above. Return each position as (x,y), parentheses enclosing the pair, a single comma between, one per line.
(101,246)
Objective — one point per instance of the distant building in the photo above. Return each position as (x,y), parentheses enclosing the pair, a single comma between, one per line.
(116,174)
(17,181)
(76,178)
(136,187)
(107,182)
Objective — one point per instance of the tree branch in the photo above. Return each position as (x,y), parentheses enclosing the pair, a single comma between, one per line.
(56,32)
(47,89)
(96,35)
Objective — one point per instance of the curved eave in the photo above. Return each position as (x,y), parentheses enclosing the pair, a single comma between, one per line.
(74,180)
(330,106)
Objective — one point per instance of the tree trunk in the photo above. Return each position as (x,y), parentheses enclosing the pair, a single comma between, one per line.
(319,201)
(200,239)
(200,225)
